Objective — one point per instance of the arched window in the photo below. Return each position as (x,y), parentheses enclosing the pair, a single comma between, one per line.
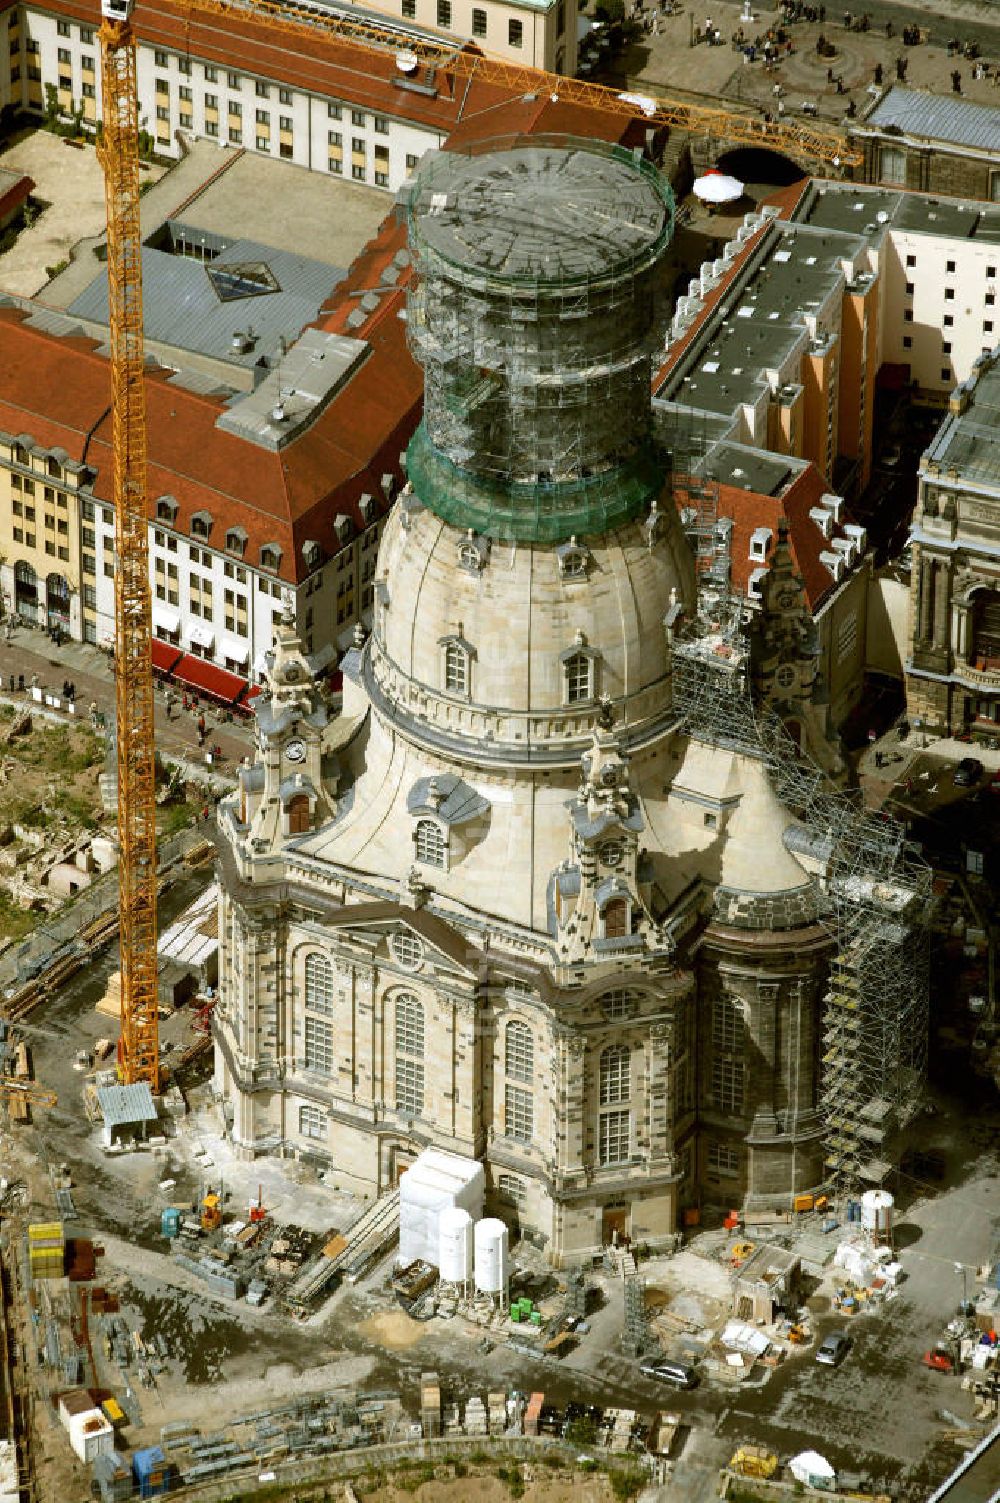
(319,983)
(456,668)
(409,1054)
(298,814)
(578,669)
(615,1076)
(615,917)
(519,1052)
(429,843)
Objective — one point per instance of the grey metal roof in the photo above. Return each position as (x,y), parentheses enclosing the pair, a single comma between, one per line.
(183,310)
(458,802)
(969,441)
(939,117)
(125,1105)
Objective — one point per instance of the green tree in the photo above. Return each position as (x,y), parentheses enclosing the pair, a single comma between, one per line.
(51,107)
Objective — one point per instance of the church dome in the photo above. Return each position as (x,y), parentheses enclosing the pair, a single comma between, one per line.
(513,647)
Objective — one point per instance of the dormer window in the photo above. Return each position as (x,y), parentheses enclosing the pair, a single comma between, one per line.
(270,557)
(201,524)
(166,509)
(53,468)
(760,541)
(21,456)
(368,507)
(472,553)
(343,527)
(236,541)
(428,843)
(574,560)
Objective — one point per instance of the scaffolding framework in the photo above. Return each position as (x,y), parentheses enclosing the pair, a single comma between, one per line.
(874,898)
(534,311)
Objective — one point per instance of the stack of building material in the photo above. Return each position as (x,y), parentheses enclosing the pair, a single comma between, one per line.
(46,1249)
(435,1182)
(475,1417)
(622,1425)
(496,1403)
(533,1414)
(10,1491)
(430,1405)
(113,1477)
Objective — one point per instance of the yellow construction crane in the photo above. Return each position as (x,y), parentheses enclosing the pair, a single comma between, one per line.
(22,1094)
(138,1047)
(467,62)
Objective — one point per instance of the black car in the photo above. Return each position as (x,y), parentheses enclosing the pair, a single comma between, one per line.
(968,772)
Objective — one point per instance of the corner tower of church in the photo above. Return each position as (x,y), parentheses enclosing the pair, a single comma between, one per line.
(479,931)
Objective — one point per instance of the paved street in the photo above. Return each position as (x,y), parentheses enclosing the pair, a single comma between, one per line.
(31,652)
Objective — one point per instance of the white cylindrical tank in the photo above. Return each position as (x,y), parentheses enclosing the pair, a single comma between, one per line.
(455,1245)
(876,1213)
(492,1256)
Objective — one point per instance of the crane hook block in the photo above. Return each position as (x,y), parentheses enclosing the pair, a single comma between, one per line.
(117,10)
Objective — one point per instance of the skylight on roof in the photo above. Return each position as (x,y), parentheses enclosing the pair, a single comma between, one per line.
(710,367)
(240,279)
(782,255)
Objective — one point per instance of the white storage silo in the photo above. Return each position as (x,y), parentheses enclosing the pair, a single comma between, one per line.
(876,1214)
(455,1245)
(492,1257)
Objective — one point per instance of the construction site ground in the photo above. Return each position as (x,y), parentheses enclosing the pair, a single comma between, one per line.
(226,1358)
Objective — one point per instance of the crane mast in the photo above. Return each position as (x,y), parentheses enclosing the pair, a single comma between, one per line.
(138,1047)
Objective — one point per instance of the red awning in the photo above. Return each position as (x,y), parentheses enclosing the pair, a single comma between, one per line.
(206,677)
(165,656)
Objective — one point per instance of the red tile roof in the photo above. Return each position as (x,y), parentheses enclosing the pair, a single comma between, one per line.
(57,390)
(750,510)
(16,194)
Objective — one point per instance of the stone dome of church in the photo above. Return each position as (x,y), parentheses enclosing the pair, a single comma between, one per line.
(521,642)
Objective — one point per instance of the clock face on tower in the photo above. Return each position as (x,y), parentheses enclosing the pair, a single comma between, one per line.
(295,751)
(786,599)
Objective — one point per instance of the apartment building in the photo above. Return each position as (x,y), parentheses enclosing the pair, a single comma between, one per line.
(250,507)
(334,107)
(323,113)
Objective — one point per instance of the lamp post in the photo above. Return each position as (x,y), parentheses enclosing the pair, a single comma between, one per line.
(961,1268)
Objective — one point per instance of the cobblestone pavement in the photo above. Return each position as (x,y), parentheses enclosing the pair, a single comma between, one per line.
(667,58)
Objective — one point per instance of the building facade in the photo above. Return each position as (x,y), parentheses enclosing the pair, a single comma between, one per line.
(953,664)
(504,903)
(931,143)
(266,93)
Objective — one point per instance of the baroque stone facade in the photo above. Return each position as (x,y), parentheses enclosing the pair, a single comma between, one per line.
(953,667)
(504,903)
